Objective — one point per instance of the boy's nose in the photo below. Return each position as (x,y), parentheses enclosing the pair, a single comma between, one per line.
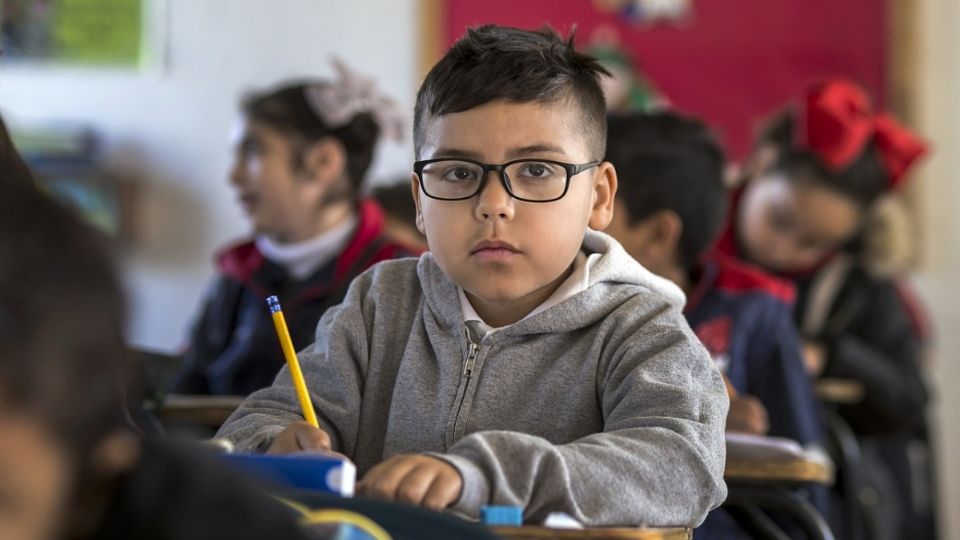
(494,201)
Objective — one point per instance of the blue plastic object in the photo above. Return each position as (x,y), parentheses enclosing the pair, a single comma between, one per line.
(501,515)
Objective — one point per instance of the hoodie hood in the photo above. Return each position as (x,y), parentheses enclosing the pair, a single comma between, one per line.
(604,294)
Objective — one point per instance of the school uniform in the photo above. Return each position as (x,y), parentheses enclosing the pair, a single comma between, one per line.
(601,403)
(874,334)
(744,318)
(233,346)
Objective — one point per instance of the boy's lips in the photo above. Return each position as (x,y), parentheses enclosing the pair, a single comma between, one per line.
(494,249)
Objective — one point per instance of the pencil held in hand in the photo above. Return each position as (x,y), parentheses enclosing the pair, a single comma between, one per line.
(291,355)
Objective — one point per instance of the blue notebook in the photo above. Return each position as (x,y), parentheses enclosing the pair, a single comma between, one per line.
(306,471)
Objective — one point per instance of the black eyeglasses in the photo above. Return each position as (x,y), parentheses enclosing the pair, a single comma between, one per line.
(530,180)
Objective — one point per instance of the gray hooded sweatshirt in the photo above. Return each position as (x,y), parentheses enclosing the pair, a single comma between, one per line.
(604,406)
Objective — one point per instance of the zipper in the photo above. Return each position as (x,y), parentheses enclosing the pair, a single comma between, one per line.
(473,352)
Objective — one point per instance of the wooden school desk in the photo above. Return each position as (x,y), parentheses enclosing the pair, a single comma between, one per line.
(209,411)
(793,471)
(757,484)
(596,533)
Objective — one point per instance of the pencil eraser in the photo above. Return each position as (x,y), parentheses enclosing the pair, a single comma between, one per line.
(274,303)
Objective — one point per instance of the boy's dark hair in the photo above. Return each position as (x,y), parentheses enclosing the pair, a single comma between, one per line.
(665,161)
(397,201)
(863,181)
(498,63)
(287,110)
(64,356)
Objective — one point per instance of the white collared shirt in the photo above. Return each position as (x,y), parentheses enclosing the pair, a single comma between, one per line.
(301,259)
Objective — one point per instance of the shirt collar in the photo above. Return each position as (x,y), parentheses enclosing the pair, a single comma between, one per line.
(576,282)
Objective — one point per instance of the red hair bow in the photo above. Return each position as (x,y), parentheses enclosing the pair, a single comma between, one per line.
(835,121)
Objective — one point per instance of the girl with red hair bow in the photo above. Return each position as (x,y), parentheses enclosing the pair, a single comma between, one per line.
(809,186)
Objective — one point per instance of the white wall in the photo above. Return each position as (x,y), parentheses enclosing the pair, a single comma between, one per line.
(170,128)
(939,115)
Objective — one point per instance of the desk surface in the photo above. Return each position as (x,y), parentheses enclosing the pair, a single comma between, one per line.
(596,533)
(206,410)
(788,470)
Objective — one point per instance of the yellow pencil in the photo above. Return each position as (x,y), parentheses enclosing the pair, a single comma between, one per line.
(291,355)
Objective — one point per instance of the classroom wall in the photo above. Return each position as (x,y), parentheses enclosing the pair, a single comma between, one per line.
(169,129)
(938,87)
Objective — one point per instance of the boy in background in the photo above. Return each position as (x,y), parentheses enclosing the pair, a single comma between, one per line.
(670,207)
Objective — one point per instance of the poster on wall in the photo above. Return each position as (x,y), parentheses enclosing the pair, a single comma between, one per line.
(123,34)
(732,62)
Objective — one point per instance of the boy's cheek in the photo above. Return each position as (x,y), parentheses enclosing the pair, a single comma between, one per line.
(34,481)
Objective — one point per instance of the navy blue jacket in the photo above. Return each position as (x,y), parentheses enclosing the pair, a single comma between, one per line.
(744,318)
(234,347)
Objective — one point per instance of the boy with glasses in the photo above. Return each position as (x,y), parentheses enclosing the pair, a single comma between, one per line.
(526,360)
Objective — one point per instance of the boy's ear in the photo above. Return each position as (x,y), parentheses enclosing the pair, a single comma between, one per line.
(664,231)
(415,189)
(325,161)
(604,193)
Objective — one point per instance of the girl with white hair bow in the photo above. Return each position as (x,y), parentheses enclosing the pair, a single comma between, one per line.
(301,155)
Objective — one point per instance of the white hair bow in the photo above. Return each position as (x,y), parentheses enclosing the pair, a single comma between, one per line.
(337,102)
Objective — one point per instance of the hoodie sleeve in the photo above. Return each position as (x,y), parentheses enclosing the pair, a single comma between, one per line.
(658,462)
(335,387)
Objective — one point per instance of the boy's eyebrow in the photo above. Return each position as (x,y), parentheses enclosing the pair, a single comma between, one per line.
(514,153)
(542,148)
(455,153)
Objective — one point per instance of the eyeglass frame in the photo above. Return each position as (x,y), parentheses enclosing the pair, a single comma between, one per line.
(572,170)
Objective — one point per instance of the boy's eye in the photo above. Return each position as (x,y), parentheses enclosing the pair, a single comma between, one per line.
(537,170)
(459,174)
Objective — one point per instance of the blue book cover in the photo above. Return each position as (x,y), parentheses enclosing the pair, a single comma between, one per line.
(329,474)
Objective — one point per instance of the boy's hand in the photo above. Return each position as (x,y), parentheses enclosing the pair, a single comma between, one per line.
(300,437)
(415,479)
(814,358)
(747,415)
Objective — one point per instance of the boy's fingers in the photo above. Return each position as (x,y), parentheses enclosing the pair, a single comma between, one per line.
(415,484)
(297,437)
(444,491)
(311,438)
(757,415)
(763,423)
(382,481)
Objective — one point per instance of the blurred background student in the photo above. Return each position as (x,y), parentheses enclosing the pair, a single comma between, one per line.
(670,208)
(72,464)
(301,155)
(809,186)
